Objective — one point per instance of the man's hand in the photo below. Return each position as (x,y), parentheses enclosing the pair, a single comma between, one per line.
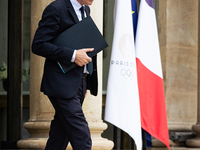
(82,58)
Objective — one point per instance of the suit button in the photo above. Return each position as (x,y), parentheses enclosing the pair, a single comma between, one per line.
(81,69)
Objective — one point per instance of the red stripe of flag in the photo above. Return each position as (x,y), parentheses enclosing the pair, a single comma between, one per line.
(152,103)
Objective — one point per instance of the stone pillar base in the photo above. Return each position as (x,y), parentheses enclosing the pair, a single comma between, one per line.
(195,142)
(99,143)
(39,133)
(32,143)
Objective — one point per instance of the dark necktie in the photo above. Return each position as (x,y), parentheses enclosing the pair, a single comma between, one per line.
(82,12)
(89,65)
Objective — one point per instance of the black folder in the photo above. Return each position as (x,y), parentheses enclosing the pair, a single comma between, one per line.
(83,34)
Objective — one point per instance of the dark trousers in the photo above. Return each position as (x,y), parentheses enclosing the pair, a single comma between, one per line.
(69,123)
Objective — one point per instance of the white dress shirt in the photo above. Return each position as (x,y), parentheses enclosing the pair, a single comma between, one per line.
(76,5)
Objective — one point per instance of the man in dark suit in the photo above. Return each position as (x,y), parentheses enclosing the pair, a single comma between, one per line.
(65,91)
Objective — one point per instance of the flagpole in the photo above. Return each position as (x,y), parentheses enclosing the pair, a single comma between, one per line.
(115,137)
(144,137)
(122,139)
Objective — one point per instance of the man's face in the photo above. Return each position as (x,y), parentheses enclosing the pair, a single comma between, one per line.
(85,2)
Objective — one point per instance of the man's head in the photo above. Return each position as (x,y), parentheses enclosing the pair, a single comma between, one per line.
(85,2)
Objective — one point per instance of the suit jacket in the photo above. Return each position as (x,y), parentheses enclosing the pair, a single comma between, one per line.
(57,17)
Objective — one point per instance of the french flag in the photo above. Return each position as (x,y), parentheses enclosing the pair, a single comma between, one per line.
(149,72)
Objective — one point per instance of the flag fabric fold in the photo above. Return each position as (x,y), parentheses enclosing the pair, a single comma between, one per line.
(135,21)
(149,72)
(122,100)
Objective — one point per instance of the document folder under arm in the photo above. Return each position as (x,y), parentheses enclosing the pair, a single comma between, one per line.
(84,34)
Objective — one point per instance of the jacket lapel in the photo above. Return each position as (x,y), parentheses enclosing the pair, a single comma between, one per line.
(71,10)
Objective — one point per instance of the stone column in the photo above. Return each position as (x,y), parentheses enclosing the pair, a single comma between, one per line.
(92,106)
(181,63)
(178,26)
(41,111)
(196,128)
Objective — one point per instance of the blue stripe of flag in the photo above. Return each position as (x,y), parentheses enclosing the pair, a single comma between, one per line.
(134,15)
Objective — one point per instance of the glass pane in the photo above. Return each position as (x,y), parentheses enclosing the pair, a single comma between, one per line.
(3,43)
(26,46)
(3,64)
